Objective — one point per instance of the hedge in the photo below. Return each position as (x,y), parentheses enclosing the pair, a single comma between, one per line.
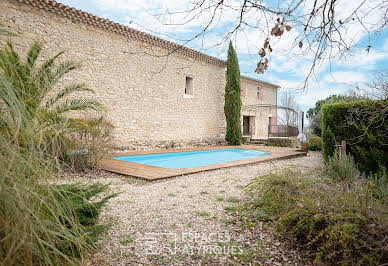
(364,125)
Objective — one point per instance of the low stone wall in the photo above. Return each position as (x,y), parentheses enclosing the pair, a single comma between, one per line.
(169,144)
(279,142)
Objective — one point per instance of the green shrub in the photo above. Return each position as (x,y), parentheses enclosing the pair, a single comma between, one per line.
(364,126)
(315,143)
(47,101)
(315,114)
(380,185)
(40,223)
(338,223)
(342,169)
(86,212)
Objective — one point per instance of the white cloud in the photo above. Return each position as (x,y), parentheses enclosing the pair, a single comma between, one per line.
(338,82)
(313,94)
(169,18)
(126,5)
(362,58)
(345,77)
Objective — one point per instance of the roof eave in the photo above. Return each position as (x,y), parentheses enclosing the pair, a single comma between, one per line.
(261,81)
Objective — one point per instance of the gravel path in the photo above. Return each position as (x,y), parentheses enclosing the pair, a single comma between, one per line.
(183,220)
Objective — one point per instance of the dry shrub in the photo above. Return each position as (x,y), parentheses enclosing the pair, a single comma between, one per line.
(338,222)
(342,169)
(93,141)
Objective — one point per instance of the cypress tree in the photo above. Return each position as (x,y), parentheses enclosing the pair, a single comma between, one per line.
(233,103)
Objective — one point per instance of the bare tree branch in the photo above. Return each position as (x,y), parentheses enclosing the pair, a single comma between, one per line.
(323,28)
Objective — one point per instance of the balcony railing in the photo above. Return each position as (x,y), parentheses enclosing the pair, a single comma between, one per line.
(276,131)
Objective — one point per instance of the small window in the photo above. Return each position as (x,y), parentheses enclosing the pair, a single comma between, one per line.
(189,90)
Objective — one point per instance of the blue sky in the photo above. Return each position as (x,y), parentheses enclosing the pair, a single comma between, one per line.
(288,66)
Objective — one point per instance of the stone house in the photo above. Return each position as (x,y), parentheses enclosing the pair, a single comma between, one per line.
(156,93)
(259,107)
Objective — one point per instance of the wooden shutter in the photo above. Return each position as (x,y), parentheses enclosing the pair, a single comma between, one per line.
(274,127)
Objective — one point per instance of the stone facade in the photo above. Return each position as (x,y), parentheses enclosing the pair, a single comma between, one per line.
(140,79)
(259,100)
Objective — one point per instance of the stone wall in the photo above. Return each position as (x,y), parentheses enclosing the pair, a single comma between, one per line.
(141,88)
(260,114)
(249,92)
(279,142)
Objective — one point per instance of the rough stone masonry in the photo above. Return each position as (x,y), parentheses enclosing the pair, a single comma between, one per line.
(140,79)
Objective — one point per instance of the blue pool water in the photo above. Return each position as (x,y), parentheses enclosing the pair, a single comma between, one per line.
(188,159)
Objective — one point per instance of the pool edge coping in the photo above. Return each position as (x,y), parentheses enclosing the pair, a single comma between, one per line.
(154,173)
(265,153)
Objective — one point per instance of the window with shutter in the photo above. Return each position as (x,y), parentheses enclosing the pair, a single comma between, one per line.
(260,93)
(274,124)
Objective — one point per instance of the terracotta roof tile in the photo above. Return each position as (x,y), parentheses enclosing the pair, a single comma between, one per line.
(87,18)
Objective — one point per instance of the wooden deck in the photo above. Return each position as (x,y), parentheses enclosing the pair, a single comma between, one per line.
(152,172)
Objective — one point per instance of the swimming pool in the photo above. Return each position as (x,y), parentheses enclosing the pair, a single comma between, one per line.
(189,159)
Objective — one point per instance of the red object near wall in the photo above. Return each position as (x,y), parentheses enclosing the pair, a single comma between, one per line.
(274,127)
(243,92)
(260,92)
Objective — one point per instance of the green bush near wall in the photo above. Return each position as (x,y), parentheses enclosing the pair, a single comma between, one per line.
(315,143)
(364,125)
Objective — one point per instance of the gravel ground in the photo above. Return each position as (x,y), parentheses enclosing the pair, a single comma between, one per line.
(183,220)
